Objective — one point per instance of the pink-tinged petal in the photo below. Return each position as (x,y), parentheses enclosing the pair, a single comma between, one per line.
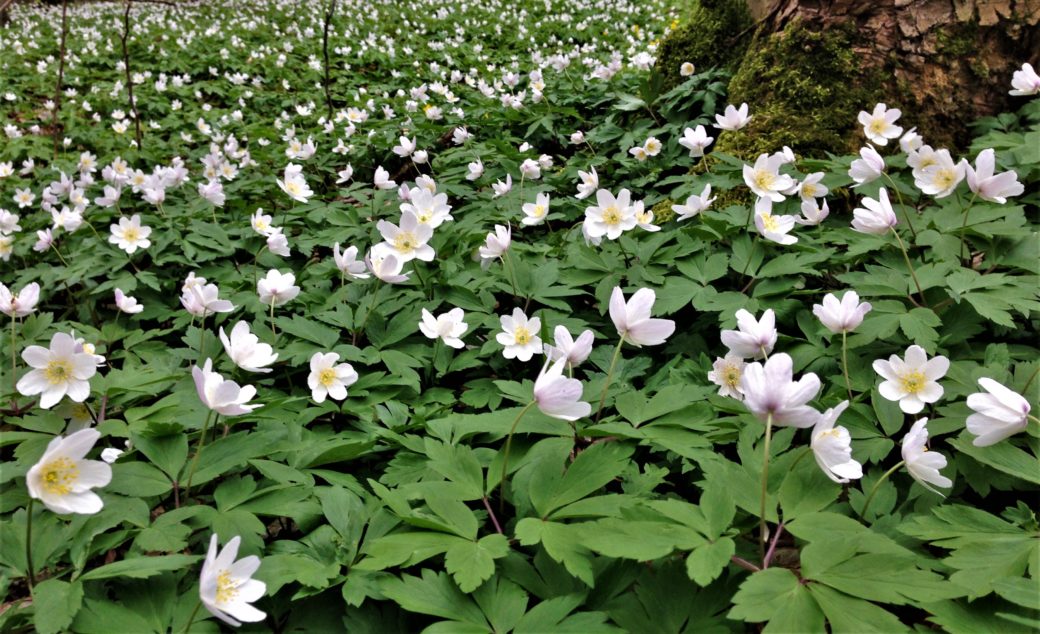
(640,305)
(779,369)
(651,332)
(804,390)
(617,310)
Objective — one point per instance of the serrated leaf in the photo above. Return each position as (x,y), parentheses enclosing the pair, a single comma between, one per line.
(473,563)
(141,567)
(55,604)
(775,595)
(707,562)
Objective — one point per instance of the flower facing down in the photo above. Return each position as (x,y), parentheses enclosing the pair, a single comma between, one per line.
(912,381)
(999,413)
(922,464)
(223,397)
(575,351)
(59,371)
(385,265)
(62,478)
(558,396)
(876,216)
(841,316)
(448,326)
(329,379)
(495,245)
(246,350)
(771,391)
(753,338)
(520,336)
(832,447)
(632,318)
(226,586)
(126,303)
(347,262)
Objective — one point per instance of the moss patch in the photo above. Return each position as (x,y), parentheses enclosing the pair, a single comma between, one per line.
(804,89)
(705,39)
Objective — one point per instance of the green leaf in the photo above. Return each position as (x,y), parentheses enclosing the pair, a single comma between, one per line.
(707,562)
(141,567)
(1003,456)
(636,539)
(404,549)
(473,563)
(849,615)
(875,577)
(138,479)
(561,542)
(591,470)
(55,604)
(433,594)
(459,464)
(775,595)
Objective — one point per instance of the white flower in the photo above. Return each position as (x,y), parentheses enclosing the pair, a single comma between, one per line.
(695,140)
(611,216)
(223,397)
(213,192)
(998,415)
(62,478)
(226,586)
(686,69)
(348,264)
(111,454)
(474,170)
(382,179)
(202,299)
(811,188)
(841,316)
(385,265)
(448,326)
(575,351)
(495,245)
(20,304)
(404,148)
(329,379)
(867,168)
(771,391)
(502,188)
(912,380)
(246,350)
(24,197)
(530,169)
(294,183)
(910,141)
(61,370)
(632,318)
(277,243)
(409,240)
(8,223)
(771,227)
(812,213)
(733,118)
(429,207)
(535,213)
(519,335)
(459,136)
(277,288)
(558,396)
(344,174)
(644,217)
(832,447)
(981,180)
(694,205)
(726,373)
(577,137)
(1025,82)
(765,179)
(752,339)
(589,183)
(879,126)
(127,304)
(261,222)
(877,217)
(922,464)
(652,146)
(942,176)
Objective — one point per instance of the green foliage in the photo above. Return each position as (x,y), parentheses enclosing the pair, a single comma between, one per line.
(714,33)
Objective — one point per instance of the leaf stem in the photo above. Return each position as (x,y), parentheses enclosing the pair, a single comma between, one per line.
(191,619)
(30,575)
(610,374)
(909,266)
(772,546)
(899,196)
(505,458)
(874,489)
(762,526)
(964,228)
(508,264)
(198,450)
(845,361)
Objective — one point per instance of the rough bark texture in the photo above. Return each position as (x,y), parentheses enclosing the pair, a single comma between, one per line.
(944,62)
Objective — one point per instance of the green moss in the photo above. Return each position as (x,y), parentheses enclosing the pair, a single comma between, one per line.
(663,211)
(804,89)
(705,39)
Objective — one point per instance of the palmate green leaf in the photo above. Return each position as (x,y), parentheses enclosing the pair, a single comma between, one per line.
(592,468)
(554,615)
(562,542)
(471,563)
(459,464)
(138,479)
(140,567)
(502,601)
(436,595)
(1003,456)
(1021,591)
(404,549)
(284,568)
(637,409)
(806,489)
(705,563)
(775,595)
(55,604)
(849,615)
(636,539)
(309,330)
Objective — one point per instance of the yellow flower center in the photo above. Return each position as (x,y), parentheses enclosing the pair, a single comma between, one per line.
(405,242)
(327,377)
(131,234)
(763,179)
(59,475)
(522,336)
(926,162)
(226,588)
(292,187)
(731,376)
(877,126)
(424,217)
(770,223)
(646,217)
(538,211)
(913,382)
(808,190)
(945,178)
(58,372)
(611,215)
(261,225)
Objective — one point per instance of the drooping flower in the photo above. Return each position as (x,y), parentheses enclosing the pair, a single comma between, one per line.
(558,396)
(127,304)
(277,288)
(385,265)
(868,168)
(611,216)
(227,587)
(632,318)
(329,379)
(982,181)
(62,477)
(879,126)
(129,235)
(223,397)
(278,243)
(495,245)
(694,205)
(812,213)
(733,118)
(502,188)
(448,326)
(19,304)
(246,350)
(202,299)
(753,338)
(695,140)
(589,183)
(923,464)
(912,381)
(1025,82)
(382,179)
(832,447)
(771,391)
(520,335)
(535,213)
(876,216)
(63,369)
(348,264)
(474,170)
(575,351)
(999,414)
(841,316)
(726,373)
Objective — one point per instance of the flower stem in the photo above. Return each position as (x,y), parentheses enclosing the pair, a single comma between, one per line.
(202,336)
(274,331)
(874,489)
(30,575)
(899,196)
(14,362)
(198,450)
(845,361)
(772,546)
(610,374)
(505,458)
(909,266)
(763,528)
(191,619)
(60,257)
(964,228)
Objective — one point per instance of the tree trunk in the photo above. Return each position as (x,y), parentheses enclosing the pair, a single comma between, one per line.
(951,60)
